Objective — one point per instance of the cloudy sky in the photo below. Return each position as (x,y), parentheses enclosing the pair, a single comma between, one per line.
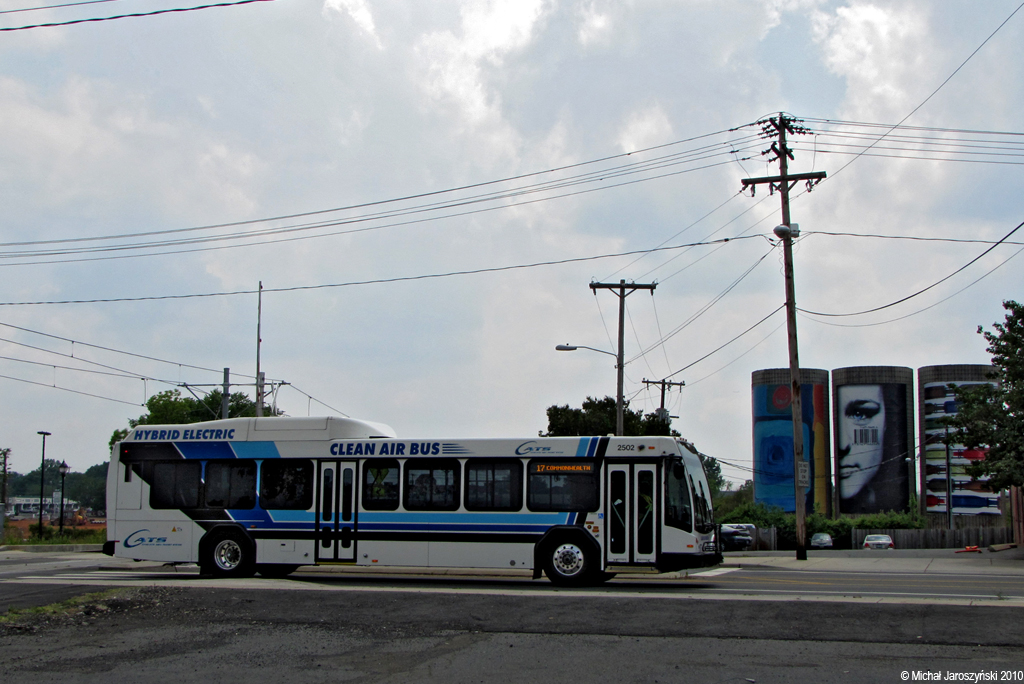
(341,152)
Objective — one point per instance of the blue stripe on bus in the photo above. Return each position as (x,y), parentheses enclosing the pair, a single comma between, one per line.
(535,529)
(425,518)
(581,448)
(594,441)
(205,450)
(256,450)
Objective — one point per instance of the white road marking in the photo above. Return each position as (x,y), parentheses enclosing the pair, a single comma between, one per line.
(108,578)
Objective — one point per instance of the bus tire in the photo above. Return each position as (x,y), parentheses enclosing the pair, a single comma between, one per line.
(569,563)
(275,570)
(228,553)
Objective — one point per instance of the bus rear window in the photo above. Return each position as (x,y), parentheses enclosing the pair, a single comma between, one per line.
(286,484)
(562,486)
(231,484)
(175,485)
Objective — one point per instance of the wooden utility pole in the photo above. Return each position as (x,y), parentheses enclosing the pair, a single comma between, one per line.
(786,232)
(621,286)
(662,413)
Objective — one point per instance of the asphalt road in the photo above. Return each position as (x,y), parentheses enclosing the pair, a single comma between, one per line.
(740,624)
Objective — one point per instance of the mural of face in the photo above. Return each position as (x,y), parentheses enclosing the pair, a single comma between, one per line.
(861,435)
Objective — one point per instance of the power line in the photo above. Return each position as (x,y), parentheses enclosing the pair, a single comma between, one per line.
(49,7)
(425,195)
(911,237)
(930,306)
(364,229)
(921,291)
(128,16)
(87,394)
(720,348)
(704,309)
(377,281)
(109,349)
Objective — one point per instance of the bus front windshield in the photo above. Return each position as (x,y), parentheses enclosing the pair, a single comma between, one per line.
(678,507)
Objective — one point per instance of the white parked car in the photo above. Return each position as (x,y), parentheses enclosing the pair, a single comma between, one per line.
(878,541)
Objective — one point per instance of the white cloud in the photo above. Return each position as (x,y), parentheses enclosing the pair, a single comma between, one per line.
(359,12)
(645,128)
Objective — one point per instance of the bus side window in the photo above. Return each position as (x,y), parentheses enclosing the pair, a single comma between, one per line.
(678,509)
(286,484)
(494,485)
(175,485)
(431,484)
(380,484)
(563,486)
(231,484)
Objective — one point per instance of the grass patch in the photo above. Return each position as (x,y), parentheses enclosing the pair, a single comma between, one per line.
(69,607)
(50,536)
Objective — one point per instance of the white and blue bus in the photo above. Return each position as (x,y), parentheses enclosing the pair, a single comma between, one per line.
(269,495)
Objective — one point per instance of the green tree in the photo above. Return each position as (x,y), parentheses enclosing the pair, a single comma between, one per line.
(597,417)
(28,484)
(89,488)
(993,415)
(728,502)
(170,408)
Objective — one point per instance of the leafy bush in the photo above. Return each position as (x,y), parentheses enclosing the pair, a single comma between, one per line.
(840,529)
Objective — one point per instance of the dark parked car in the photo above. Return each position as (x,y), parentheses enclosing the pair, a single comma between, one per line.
(735,538)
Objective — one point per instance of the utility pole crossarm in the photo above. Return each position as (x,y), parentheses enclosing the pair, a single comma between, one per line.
(620,289)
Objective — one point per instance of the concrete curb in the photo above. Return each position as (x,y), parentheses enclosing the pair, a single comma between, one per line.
(54,548)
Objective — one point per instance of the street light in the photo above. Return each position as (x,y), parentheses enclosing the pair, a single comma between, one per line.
(42,481)
(63,470)
(618,384)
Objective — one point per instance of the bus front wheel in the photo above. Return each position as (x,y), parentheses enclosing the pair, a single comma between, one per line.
(568,563)
(228,554)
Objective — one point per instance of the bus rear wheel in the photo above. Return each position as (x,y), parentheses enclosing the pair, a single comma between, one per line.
(568,563)
(228,554)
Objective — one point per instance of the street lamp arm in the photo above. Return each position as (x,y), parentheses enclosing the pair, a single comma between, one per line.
(574,347)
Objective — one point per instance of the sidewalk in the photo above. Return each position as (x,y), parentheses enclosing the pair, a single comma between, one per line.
(929,561)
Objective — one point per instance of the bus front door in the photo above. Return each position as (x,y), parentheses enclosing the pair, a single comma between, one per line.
(336,512)
(632,513)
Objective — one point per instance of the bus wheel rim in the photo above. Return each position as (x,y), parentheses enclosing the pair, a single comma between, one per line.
(568,560)
(227,554)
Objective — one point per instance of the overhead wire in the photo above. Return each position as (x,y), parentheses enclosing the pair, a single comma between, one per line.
(357,230)
(374,281)
(704,309)
(599,174)
(921,291)
(152,13)
(919,311)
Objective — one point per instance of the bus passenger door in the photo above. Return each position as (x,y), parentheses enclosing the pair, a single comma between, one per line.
(632,513)
(336,514)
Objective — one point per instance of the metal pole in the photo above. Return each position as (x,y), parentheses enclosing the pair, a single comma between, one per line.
(949,486)
(225,400)
(63,474)
(3,494)
(42,481)
(259,323)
